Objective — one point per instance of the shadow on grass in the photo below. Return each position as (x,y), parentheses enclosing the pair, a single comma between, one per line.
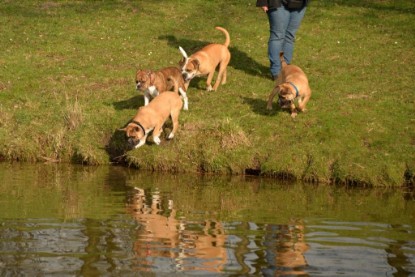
(259,106)
(240,60)
(132,103)
(117,146)
(384,7)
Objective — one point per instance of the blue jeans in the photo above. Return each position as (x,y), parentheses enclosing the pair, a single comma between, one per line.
(283,25)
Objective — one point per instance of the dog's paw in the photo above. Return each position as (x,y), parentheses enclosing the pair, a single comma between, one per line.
(156,140)
(209,88)
(269,107)
(293,115)
(141,143)
(171,135)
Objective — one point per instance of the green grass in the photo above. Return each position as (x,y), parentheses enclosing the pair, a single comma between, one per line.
(67,84)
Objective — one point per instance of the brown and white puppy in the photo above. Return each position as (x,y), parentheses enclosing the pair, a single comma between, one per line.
(153,116)
(152,83)
(291,84)
(205,61)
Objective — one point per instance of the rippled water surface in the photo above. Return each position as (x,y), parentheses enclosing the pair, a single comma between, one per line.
(93,221)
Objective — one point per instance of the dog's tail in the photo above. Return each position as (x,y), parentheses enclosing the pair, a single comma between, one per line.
(175,84)
(179,90)
(228,39)
(283,62)
(184,54)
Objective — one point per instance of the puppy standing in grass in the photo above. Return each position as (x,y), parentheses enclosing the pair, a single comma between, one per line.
(205,61)
(151,83)
(153,116)
(291,84)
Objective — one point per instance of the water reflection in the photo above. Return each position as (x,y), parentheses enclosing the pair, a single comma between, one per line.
(113,221)
(168,243)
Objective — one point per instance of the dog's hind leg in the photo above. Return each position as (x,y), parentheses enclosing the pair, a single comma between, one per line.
(224,77)
(271,97)
(221,75)
(185,100)
(175,120)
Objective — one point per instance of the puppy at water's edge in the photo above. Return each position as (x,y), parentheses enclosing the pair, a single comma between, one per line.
(153,116)
(291,84)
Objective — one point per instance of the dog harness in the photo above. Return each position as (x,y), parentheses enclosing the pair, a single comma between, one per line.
(296,89)
(139,125)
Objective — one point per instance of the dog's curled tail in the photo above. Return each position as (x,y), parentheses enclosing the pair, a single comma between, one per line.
(175,84)
(228,39)
(283,62)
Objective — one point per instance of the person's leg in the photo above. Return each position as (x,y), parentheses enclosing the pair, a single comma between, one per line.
(278,22)
(295,18)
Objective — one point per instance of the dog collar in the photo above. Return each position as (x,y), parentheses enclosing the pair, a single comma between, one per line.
(296,89)
(139,125)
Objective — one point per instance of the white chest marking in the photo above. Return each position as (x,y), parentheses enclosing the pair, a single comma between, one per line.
(153,91)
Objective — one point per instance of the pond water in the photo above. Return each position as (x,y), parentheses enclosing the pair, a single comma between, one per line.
(73,220)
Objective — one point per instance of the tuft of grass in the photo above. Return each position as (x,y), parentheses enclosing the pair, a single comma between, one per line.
(67,85)
(73,117)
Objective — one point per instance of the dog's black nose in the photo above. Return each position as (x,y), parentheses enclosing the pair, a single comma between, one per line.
(131,141)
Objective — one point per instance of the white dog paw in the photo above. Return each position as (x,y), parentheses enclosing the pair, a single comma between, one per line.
(141,143)
(156,140)
(209,88)
(171,135)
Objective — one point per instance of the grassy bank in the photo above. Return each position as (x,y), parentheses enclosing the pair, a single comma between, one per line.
(67,84)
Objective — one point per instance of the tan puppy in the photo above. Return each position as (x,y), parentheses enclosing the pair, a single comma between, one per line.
(205,61)
(153,116)
(154,82)
(291,84)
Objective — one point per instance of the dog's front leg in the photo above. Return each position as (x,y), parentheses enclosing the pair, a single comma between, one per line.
(209,81)
(156,134)
(142,142)
(293,110)
(301,104)
(146,99)
(271,97)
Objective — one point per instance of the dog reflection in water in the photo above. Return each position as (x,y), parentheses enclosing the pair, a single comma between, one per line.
(164,243)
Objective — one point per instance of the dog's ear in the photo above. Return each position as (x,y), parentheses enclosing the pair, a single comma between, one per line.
(196,64)
(123,129)
(283,90)
(152,77)
(182,62)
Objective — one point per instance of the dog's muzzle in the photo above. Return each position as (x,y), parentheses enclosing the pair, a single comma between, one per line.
(137,85)
(131,141)
(283,102)
(186,76)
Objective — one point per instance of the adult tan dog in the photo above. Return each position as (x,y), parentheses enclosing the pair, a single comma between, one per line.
(153,116)
(291,84)
(151,83)
(205,61)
